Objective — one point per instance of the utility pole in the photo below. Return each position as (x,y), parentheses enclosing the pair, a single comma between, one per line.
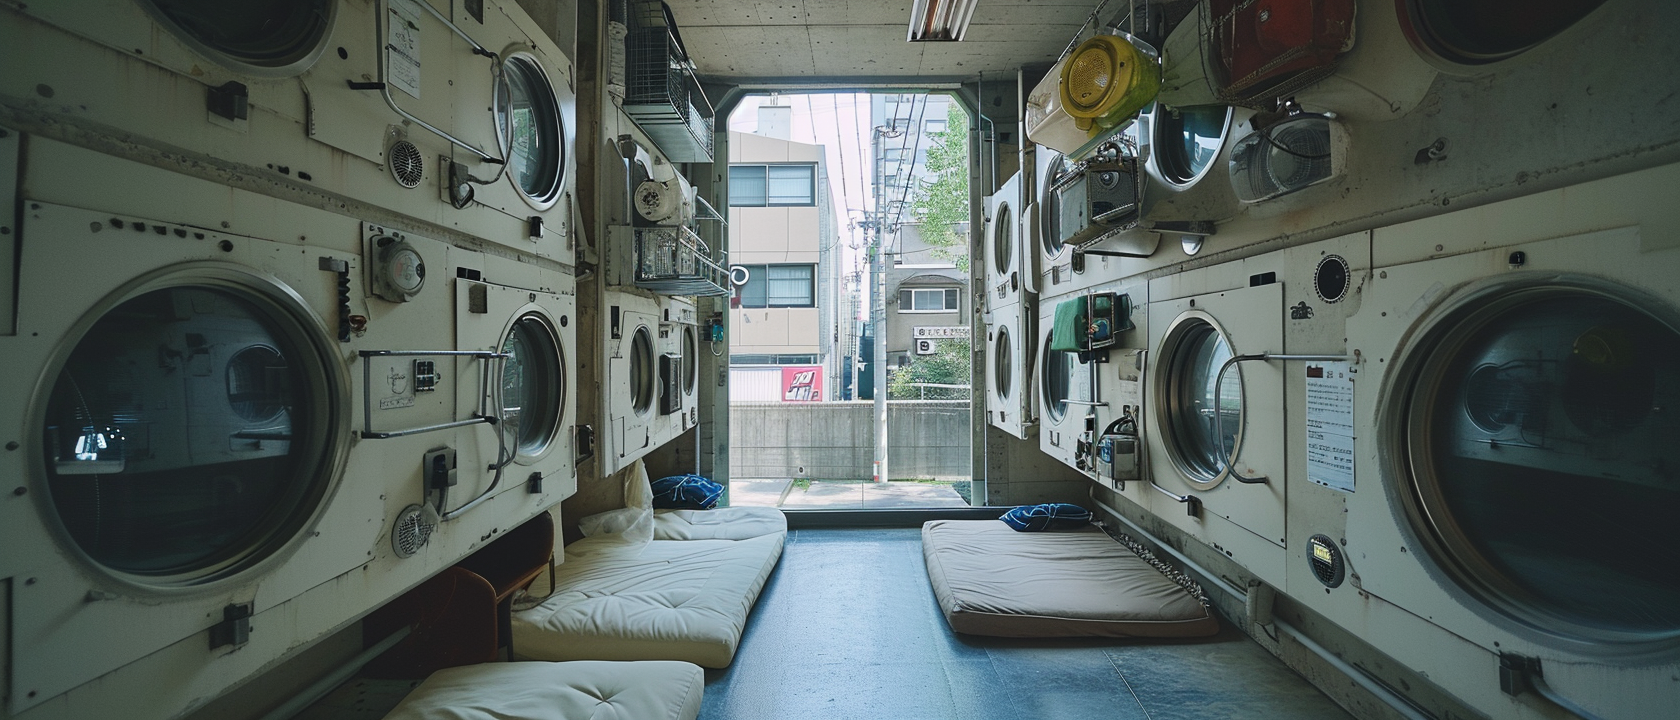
(878,309)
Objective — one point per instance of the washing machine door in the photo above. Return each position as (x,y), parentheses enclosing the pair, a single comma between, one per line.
(1003,243)
(1207,429)
(1011,347)
(632,390)
(1065,391)
(1041,224)
(1538,444)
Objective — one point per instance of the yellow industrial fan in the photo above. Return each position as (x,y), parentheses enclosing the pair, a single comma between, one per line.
(1107,80)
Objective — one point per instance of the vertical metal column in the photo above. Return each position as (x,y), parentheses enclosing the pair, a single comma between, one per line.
(878,309)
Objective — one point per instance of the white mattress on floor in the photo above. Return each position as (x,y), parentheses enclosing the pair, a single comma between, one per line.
(557,691)
(666,600)
(731,523)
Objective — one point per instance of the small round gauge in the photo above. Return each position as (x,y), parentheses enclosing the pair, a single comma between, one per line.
(399,272)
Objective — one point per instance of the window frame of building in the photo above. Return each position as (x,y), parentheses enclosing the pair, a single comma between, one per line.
(739,181)
(950,300)
(759,285)
(935,126)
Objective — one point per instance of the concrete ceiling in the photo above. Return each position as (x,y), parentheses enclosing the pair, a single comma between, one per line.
(789,43)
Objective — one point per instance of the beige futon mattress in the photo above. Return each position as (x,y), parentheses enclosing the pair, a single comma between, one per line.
(665,600)
(991,580)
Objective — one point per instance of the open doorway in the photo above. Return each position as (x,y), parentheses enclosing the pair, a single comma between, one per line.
(848,224)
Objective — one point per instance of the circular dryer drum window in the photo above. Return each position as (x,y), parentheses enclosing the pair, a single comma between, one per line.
(1188,140)
(1003,238)
(1002,362)
(529,125)
(1057,379)
(1050,208)
(1540,433)
(1475,32)
(187,432)
(641,371)
(690,362)
(270,38)
(533,389)
(1203,412)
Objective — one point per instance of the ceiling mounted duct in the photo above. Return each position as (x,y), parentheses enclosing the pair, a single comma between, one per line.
(940,20)
(1259,50)
(1292,154)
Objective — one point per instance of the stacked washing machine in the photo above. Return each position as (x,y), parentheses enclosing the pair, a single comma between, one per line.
(1436,429)
(1011,315)
(295,327)
(654,264)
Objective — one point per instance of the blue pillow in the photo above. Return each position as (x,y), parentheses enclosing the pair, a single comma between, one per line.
(686,492)
(1049,516)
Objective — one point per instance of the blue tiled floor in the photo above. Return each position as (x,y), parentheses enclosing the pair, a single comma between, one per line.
(847,628)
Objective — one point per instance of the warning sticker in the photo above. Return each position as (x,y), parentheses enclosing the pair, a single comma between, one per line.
(1330,424)
(402,58)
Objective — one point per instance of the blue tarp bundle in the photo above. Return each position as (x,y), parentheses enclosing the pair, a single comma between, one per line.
(686,492)
(1049,516)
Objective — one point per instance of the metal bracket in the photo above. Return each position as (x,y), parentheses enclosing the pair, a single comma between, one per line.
(486,377)
(1520,674)
(1219,416)
(235,627)
(384,88)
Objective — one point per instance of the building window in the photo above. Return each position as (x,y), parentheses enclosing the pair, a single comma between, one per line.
(930,300)
(777,286)
(934,126)
(772,185)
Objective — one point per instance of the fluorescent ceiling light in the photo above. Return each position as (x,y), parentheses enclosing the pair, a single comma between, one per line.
(940,20)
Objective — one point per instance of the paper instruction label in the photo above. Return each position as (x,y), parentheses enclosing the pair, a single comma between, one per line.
(1330,424)
(402,51)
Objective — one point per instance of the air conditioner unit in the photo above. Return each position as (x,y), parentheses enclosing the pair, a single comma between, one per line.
(924,347)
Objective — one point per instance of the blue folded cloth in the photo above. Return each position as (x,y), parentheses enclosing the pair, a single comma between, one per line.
(686,492)
(1049,516)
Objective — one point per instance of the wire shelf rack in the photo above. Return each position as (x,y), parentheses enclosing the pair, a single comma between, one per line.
(675,261)
(664,97)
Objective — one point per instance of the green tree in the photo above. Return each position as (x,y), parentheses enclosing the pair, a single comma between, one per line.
(941,204)
(948,365)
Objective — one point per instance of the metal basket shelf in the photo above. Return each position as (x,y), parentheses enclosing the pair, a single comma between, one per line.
(665,98)
(675,261)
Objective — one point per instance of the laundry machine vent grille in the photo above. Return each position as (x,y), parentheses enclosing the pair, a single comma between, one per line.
(405,163)
(411,531)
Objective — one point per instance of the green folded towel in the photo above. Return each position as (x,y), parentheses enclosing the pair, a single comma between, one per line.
(1108,315)
(1068,332)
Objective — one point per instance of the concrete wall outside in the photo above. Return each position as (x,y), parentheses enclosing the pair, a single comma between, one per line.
(836,440)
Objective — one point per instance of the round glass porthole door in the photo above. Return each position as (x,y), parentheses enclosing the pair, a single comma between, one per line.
(1002,360)
(188,432)
(529,124)
(1003,238)
(1203,412)
(1187,140)
(271,38)
(690,362)
(641,371)
(1050,207)
(1540,433)
(1057,378)
(533,390)
(1474,32)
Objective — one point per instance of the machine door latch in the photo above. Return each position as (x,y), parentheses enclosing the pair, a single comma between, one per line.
(235,627)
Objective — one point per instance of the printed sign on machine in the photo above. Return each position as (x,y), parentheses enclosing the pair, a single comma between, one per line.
(1330,424)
